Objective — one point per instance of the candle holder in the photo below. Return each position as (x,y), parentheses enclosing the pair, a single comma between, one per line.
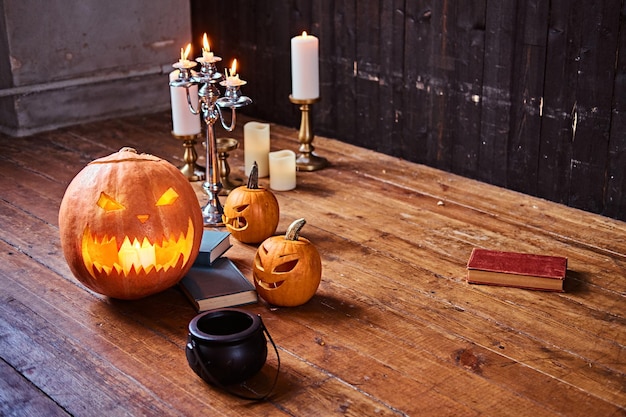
(307,160)
(224,146)
(210,106)
(190,169)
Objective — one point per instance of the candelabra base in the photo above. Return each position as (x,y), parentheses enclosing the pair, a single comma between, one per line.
(212,212)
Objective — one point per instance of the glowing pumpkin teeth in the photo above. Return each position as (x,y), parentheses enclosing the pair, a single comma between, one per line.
(102,256)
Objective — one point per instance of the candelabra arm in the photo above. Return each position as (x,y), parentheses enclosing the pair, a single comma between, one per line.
(233,119)
(190,104)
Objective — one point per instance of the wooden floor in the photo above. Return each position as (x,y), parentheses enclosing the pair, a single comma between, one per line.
(394,329)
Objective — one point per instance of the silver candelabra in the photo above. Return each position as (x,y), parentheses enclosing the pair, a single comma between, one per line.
(210,106)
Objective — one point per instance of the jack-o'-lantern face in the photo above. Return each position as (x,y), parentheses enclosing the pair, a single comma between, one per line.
(287,272)
(130,225)
(251,215)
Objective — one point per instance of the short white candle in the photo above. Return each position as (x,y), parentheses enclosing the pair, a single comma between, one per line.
(282,170)
(184,123)
(256,147)
(305,82)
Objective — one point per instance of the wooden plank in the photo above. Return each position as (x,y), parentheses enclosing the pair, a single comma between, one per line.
(416,105)
(367,73)
(470,37)
(443,94)
(599,25)
(391,86)
(527,93)
(615,198)
(341,45)
(496,94)
(554,164)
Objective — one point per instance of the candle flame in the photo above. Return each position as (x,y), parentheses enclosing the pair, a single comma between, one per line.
(205,43)
(184,54)
(233,68)
(304,33)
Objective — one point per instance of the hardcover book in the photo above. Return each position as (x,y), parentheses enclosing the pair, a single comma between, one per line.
(214,244)
(217,286)
(513,269)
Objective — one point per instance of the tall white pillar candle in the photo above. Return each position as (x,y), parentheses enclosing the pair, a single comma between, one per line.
(305,83)
(184,123)
(282,170)
(256,147)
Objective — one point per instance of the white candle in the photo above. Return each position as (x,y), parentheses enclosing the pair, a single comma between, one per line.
(184,123)
(305,82)
(282,170)
(256,147)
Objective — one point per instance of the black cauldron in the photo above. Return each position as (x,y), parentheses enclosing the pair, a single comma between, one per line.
(226,346)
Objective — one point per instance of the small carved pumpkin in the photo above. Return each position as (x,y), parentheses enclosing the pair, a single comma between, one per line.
(130,225)
(251,213)
(287,269)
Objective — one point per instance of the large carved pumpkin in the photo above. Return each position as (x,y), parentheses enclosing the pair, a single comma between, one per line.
(130,225)
(287,269)
(251,213)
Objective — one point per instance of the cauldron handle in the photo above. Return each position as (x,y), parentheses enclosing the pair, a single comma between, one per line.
(215,382)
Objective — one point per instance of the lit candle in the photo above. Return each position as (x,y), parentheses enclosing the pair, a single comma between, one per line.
(207,55)
(184,122)
(184,54)
(256,147)
(232,79)
(305,67)
(282,170)
(206,49)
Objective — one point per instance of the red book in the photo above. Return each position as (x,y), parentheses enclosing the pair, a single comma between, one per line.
(513,269)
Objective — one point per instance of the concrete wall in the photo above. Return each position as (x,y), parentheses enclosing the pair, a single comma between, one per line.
(68,62)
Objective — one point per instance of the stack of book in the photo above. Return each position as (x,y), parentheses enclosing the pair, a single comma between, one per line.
(214,281)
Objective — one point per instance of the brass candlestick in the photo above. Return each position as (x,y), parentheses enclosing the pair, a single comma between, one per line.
(224,146)
(307,160)
(191,169)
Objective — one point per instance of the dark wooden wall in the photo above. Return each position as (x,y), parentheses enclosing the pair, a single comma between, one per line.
(528,95)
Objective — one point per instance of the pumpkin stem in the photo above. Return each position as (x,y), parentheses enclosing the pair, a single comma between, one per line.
(128,149)
(293,231)
(253,179)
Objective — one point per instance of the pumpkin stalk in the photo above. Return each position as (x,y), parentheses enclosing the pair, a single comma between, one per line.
(253,179)
(293,231)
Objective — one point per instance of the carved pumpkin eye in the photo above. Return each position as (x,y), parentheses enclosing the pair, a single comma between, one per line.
(241,208)
(286,266)
(167,198)
(108,203)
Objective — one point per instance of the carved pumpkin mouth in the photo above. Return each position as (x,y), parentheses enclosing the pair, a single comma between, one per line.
(105,256)
(237,223)
(269,285)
